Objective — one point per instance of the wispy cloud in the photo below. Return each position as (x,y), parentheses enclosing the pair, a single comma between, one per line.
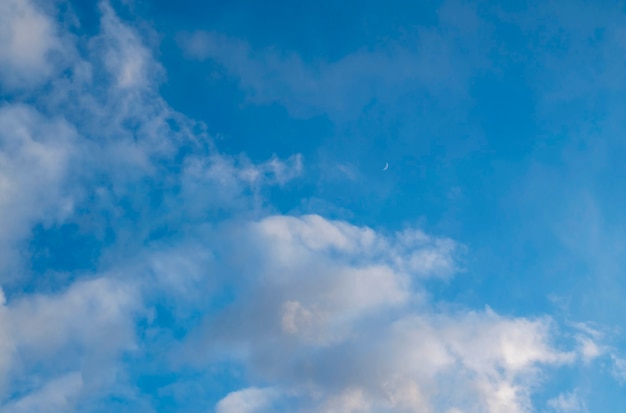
(567,402)
(92,140)
(32,48)
(438,60)
(196,270)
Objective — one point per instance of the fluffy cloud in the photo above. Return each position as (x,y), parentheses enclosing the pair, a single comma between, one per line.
(329,313)
(93,140)
(73,335)
(30,45)
(320,315)
(249,400)
(410,251)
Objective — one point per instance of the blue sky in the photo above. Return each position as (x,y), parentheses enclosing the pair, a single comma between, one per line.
(194,215)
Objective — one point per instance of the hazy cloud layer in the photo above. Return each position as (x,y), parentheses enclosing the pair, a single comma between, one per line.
(438,60)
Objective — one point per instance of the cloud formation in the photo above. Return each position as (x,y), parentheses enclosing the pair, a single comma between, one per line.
(437,60)
(196,269)
(31,48)
(329,313)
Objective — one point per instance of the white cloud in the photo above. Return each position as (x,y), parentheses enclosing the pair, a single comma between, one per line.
(567,402)
(86,327)
(82,140)
(589,349)
(351,400)
(29,44)
(410,252)
(618,368)
(220,181)
(179,269)
(72,134)
(35,157)
(58,395)
(590,342)
(126,58)
(497,357)
(332,315)
(325,315)
(88,142)
(250,400)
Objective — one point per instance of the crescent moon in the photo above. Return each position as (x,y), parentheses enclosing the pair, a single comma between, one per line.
(386,166)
